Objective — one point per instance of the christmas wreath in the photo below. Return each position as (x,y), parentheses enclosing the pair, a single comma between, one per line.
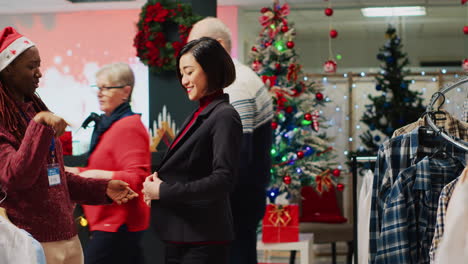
(157,19)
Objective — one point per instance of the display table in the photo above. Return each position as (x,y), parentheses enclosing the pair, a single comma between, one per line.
(304,245)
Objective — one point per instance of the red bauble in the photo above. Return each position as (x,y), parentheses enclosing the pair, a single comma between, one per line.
(268,44)
(329,66)
(465,30)
(254,48)
(319,96)
(328,12)
(287,179)
(289,109)
(274,125)
(290,44)
(340,187)
(308,117)
(336,172)
(284,28)
(278,66)
(333,33)
(465,65)
(300,154)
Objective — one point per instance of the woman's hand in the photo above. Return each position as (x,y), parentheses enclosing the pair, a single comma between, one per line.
(119,191)
(47,118)
(73,170)
(97,174)
(151,188)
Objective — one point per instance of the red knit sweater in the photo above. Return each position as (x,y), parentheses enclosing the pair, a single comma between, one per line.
(123,149)
(46,212)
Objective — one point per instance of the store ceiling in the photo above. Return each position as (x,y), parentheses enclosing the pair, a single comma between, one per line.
(35,6)
(445,18)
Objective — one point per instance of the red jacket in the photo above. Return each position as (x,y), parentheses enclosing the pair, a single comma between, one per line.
(123,149)
(46,212)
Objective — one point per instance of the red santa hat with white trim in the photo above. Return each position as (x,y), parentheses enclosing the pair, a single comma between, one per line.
(12,44)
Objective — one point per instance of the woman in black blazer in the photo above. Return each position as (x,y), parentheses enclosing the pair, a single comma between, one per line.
(189,194)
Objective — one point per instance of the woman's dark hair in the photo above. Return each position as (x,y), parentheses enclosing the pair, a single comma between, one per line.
(214,60)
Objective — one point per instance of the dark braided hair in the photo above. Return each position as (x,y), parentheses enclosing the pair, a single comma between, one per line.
(10,115)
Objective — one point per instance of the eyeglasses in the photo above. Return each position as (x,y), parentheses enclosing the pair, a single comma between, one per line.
(105,89)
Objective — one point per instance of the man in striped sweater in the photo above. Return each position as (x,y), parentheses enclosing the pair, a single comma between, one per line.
(251,99)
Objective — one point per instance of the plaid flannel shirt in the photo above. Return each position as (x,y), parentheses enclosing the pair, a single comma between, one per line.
(394,155)
(444,200)
(410,210)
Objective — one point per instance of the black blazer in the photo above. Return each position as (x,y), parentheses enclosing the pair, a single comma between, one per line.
(199,173)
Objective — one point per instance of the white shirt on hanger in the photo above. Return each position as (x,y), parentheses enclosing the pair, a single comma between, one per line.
(453,247)
(364,208)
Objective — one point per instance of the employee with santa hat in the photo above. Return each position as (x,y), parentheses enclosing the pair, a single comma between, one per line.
(40,194)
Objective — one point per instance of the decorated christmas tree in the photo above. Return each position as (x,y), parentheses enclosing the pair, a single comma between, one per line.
(301,153)
(396,105)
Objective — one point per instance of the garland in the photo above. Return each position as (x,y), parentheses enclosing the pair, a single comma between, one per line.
(151,42)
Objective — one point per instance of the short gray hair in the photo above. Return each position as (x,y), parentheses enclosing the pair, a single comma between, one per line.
(217,30)
(118,74)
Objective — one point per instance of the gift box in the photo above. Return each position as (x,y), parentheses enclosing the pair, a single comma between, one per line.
(66,140)
(280,224)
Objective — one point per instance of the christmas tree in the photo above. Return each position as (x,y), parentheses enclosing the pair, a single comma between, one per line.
(396,105)
(300,154)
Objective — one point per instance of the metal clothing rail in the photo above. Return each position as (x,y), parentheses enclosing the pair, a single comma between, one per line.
(430,109)
(354,169)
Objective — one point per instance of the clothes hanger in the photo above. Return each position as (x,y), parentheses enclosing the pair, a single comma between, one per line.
(430,109)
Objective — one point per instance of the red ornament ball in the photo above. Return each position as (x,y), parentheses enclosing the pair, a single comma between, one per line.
(340,187)
(336,172)
(268,44)
(319,96)
(274,125)
(290,44)
(254,48)
(465,30)
(287,179)
(328,12)
(333,33)
(289,109)
(278,66)
(300,154)
(308,116)
(284,28)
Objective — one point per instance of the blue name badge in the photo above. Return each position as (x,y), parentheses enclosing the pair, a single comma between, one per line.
(53,174)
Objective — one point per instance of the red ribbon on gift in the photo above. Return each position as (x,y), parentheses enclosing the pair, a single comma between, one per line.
(322,180)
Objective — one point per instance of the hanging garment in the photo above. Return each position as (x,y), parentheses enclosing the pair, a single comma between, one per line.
(453,126)
(18,246)
(408,220)
(444,200)
(394,156)
(453,247)
(364,207)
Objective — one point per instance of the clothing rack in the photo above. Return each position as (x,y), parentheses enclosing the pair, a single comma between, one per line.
(430,109)
(354,170)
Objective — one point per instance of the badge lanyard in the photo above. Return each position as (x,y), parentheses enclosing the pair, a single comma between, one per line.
(53,169)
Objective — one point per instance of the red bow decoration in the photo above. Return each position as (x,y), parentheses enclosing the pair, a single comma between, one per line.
(293,70)
(280,215)
(276,16)
(463,2)
(323,181)
(315,123)
(272,80)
